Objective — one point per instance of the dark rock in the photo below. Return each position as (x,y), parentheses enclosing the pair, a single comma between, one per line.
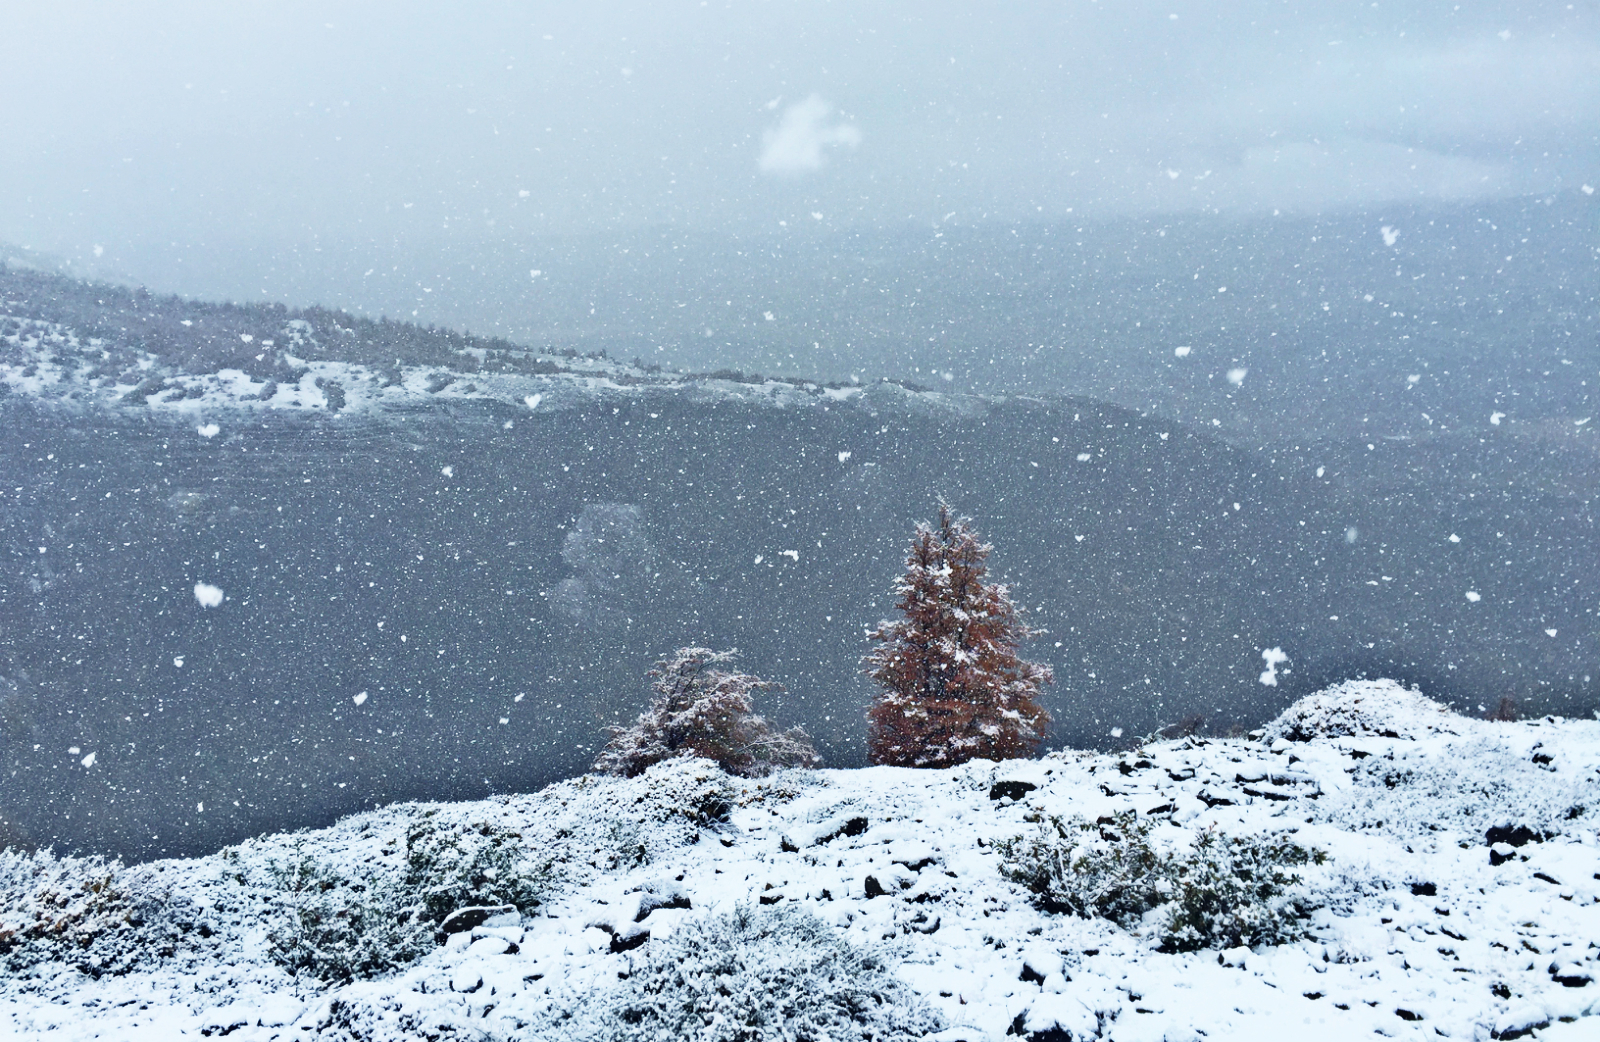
(853,827)
(463,919)
(1013,790)
(629,939)
(1519,836)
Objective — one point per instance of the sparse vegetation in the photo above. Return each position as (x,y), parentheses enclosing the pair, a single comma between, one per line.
(761,975)
(87,912)
(337,927)
(1223,892)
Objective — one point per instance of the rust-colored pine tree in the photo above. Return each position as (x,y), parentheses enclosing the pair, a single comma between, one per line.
(954,687)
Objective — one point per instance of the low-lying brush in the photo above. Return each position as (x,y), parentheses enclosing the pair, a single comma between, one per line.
(759,975)
(87,912)
(1222,892)
(337,927)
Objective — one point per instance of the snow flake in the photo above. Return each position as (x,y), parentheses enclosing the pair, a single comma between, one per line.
(1474,596)
(209,596)
(360,698)
(1273,657)
(209,430)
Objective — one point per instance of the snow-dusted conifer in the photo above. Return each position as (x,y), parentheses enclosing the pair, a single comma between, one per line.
(954,686)
(699,710)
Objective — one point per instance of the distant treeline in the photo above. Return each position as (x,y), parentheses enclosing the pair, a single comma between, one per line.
(200,337)
(205,337)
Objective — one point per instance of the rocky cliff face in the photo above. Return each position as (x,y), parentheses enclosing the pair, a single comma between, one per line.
(445,563)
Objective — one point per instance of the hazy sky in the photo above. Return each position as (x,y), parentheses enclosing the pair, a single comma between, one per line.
(135,124)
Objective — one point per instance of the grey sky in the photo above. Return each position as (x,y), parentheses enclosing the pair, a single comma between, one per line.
(133,124)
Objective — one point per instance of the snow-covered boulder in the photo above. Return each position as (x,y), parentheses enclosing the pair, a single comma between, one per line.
(1374,708)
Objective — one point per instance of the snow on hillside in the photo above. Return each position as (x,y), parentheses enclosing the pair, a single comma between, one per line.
(1457,896)
(59,366)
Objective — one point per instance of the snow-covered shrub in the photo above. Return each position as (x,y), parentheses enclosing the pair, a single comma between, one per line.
(1377,708)
(335,927)
(481,865)
(1466,786)
(374,919)
(87,912)
(697,710)
(666,808)
(1110,871)
(1223,892)
(1233,890)
(760,974)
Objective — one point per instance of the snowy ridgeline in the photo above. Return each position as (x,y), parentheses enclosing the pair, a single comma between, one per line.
(1371,863)
(59,366)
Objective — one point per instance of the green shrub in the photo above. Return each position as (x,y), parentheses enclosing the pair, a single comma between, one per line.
(1233,890)
(482,864)
(1223,892)
(335,927)
(1104,870)
(377,919)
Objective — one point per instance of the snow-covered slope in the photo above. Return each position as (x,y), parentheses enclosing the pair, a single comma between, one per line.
(1459,897)
(290,371)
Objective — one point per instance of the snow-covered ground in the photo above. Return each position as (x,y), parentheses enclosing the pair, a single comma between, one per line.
(1421,927)
(59,366)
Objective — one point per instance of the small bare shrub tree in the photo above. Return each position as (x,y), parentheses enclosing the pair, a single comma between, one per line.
(698,709)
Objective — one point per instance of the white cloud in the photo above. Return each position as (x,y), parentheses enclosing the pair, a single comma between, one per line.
(795,145)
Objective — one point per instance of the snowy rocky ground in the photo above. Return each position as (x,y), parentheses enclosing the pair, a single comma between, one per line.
(1419,925)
